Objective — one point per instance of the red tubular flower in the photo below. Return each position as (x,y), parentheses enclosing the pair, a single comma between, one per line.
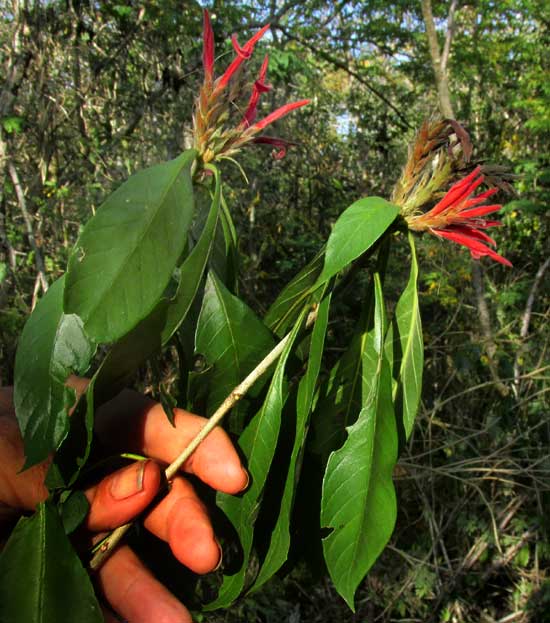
(280,145)
(459,217)
(208,47)
(259,87)
(277,114)
(243,54)
(215,137)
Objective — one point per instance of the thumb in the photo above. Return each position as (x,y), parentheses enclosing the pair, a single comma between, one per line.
(122,495)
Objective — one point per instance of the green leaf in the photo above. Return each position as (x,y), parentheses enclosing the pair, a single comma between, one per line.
(126,253)
(51,347)
(147,338)
(340,398)
(290,301)
(280,538)
(3,271)
(13,125)
(130,352)
(257,442)
(224,257)
(73,507)
(358,500)
(74,452)
(41,577)
(231,337)
(191,272)
(408,349)
(122,11)
(355,231)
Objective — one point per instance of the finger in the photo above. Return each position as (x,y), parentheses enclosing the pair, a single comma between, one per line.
(122,495)
(135,594)
(18,489)
(182,520)
(215,461)
(79,384)
(108,616)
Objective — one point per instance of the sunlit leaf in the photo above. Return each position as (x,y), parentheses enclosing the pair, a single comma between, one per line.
(355,232)
(257,442)
(231,337)
(126,253)
(358,502)
(192,269)
(51,347)
(280,538)
(289,303)
(408,349)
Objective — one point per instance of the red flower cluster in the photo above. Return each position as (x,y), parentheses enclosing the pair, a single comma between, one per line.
(460,217)
(212,139)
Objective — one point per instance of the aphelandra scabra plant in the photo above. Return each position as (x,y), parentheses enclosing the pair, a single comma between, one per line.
(154,270)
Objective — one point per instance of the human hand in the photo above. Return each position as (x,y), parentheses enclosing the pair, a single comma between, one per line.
(133,423)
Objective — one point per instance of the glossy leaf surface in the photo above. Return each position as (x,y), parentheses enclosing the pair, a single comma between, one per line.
(280,538)
(340,396)
(192,269)
(41,577)
(130,352)
(51,347)
(288,305)
(409,351)
(257,442)
(358,502)
(355,231)
(74,452)
(124,257)
(231,337)
(73,508)
(224,255)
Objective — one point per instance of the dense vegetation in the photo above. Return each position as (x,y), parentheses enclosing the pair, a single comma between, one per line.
(94,92)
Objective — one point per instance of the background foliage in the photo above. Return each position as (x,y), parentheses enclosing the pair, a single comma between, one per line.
(92,92)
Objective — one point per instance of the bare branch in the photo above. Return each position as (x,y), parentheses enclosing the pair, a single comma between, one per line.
(526,321)
(486,325)
(28,224)
(448,36)
(440,72)
(403,122)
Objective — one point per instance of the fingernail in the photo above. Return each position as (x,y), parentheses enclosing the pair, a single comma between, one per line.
(247,481)
(221,556)
(128,481)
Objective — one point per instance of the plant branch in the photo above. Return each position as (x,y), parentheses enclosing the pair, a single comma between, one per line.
(439,64)
(440,68)
(486,328)
(526,321)
(39,260)
(402,120)
(107,545)
(448,36)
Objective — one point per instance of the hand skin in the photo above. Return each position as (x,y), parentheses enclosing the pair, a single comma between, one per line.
(133,423)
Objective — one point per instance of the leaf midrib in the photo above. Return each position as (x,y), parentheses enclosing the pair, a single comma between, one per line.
(229,328)
(99,300)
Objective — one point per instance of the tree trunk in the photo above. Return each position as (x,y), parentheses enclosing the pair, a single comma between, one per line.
(440,62)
